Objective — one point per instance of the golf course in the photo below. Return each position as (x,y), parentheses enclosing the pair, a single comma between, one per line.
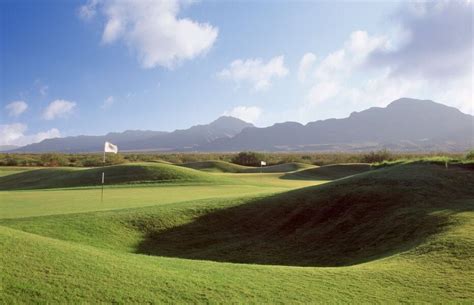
(217,232)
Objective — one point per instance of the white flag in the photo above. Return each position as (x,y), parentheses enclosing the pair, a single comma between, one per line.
(109,147)
(263,163)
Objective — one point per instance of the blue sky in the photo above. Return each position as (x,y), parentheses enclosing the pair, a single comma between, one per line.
(91,67)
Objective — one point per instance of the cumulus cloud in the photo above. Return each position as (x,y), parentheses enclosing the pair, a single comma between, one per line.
(88,11)
(306,63)
(58,109)
(108,102)
(427,55)
(16,108)
(14,134)
(322,91)
(246,113)
(255,72)
(437,41)
(341,63)
(338,66)
(153,30)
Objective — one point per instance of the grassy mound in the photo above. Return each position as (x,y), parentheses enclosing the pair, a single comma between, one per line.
(216,166)
(226,167)
(412,225)
(345,222)
(38,269)
(329,172)
(117,174)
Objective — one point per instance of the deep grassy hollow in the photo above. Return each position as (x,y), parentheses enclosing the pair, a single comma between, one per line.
(345,222)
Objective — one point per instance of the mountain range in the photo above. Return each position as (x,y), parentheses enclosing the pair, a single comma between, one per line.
(404,125)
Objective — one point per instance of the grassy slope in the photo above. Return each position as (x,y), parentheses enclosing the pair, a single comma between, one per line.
(226,167)
(419,217)
(10,170)
(40,268)
(329,172)
(117,174)
(27,203)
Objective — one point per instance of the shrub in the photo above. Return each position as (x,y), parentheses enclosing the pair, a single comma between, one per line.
(53,160)
(470,155)
(248,158)
(377,156)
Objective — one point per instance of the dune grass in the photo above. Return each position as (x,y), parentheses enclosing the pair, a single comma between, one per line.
(403,233)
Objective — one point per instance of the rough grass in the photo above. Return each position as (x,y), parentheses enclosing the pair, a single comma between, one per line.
(227,167)
(401,234)
(118,174)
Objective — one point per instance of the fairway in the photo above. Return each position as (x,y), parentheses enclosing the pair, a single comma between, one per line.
(297,237)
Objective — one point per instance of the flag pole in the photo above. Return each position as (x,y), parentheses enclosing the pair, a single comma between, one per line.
(103,178)
(102,193)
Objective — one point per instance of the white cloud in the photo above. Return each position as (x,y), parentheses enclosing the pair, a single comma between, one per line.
(88,11)
(43,135)
(246,113)
(337,67)
(58,109)
(16,108)
(153,30)
(14,134)
(438,41)
(375,70)
(306,63)
(108,102)
(255,72)
(322,91)
(11,133)
(341,63)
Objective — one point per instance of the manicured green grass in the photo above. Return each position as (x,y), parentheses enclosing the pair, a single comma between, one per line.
(403,233)
(226,167)
(329,172)
(116,174)
(10,170)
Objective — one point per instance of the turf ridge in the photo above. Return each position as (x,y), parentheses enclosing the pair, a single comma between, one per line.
(346,222)
(135,173)
(404,233)
(227,167)
(329,172)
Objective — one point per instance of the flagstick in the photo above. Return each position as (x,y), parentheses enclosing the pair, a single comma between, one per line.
(102,194)
(103,178)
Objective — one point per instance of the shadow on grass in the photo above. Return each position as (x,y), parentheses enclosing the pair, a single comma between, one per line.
(345,222)
(328,172)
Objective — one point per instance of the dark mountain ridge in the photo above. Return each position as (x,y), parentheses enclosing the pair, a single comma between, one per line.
(136,140)
(404,125)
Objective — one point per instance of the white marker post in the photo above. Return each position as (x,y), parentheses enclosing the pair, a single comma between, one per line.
(262,164)
(108,147)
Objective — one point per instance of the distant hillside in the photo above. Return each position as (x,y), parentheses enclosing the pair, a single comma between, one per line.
(404,125)
(224,127)
(8,147)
